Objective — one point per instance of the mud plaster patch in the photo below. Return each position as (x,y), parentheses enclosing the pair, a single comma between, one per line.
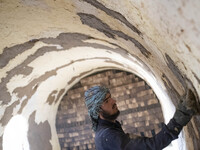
(12,52)
(39,135)
(114,14)
(196,77)
(175,70)
(195,122)
(195,141)
(59,95)
(51,97)
(175,97)
(8,113)
(94,22)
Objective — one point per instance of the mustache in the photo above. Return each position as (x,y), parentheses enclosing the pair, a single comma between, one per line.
(114,105)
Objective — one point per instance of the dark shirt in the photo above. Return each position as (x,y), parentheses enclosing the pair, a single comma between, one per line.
(110,136)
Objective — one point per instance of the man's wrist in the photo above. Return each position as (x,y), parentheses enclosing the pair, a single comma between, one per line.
(174,127)
(182,118)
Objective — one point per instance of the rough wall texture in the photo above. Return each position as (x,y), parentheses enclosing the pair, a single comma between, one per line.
(48,46)
(141,113)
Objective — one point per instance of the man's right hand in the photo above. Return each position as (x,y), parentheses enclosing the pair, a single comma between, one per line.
(185,109)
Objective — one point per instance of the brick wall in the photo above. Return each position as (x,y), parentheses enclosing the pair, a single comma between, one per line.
(140,109)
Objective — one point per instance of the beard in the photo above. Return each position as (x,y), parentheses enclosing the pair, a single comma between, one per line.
(112,117)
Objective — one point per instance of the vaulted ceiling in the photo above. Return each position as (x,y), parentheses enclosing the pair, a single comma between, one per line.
(48,46)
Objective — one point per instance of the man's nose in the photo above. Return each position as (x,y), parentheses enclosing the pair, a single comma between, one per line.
(113,101)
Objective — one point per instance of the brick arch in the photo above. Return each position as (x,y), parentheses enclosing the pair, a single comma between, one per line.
(133,65)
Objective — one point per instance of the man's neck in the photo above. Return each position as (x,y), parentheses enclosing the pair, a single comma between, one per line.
(107,119)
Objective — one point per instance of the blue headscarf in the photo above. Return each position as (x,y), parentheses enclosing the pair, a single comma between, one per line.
(94,98)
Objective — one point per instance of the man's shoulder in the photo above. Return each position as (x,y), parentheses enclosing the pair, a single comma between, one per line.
(105,130)
(111,137)
(109,133)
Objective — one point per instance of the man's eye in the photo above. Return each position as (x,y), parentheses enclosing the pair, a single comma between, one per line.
(106,101)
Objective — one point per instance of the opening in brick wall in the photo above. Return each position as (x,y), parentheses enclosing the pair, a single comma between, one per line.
(140,109)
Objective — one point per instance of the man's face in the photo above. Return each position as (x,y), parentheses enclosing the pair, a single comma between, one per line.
(109,108)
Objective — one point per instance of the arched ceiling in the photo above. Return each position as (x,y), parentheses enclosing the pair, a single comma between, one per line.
(47,46)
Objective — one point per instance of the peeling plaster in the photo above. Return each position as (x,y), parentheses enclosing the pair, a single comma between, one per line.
(60,94)
(39,135)
(51,97)
(114,14)
(175,96)
(196,77)
(12,52)
(175,70)
(8,113)
(96,23)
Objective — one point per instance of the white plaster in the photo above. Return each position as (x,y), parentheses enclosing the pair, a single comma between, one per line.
(101,42)
(16,109)
(15,134)
(17,81)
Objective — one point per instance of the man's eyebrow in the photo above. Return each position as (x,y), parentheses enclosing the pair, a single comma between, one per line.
(107,97)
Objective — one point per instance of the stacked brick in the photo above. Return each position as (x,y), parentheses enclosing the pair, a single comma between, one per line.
(140,115)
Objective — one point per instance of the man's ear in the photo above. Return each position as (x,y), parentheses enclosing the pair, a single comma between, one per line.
(100,110)
(100,114)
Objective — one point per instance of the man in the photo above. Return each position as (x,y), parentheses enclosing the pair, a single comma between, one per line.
(109,135)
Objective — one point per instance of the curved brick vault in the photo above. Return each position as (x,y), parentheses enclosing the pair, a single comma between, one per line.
(140,111)
(49,46)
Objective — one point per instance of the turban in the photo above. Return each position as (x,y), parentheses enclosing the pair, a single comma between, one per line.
(94,98)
